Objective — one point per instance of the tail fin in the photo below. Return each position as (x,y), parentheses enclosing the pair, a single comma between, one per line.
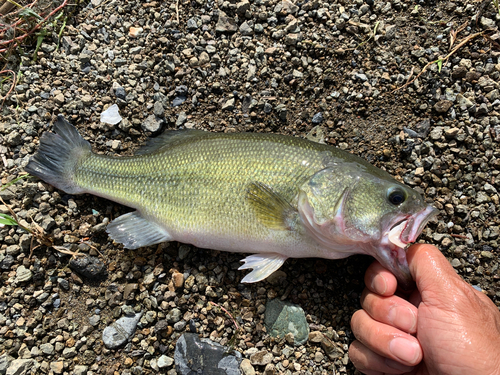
(58,156)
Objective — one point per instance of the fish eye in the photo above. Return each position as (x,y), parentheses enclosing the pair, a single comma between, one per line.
(396,197)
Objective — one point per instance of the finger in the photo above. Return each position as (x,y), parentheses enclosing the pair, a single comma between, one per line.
(431,271)
(392,310)
(370,363)
(386,340)
(443,278)
(379,280)
(415,298)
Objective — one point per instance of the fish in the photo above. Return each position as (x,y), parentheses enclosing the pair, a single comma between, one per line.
(272,196)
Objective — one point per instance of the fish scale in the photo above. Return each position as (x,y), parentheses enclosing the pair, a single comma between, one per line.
(271,195)
(197,194)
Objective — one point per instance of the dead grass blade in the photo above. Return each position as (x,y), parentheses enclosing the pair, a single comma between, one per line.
(454,33)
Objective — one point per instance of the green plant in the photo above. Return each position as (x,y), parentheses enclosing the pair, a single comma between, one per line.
(372,35)
(12,219)
(7,220)
(496,4)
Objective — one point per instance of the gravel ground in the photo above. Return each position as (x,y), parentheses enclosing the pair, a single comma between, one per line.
(312,68)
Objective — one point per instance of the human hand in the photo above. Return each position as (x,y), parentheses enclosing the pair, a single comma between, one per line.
(444,327)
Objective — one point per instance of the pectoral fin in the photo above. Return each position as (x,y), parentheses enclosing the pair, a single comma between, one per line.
(134,231)
(271,208)
(263,265)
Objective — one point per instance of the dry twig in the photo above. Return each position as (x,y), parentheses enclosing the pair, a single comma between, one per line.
(443,60)
(227,312)
(454,33)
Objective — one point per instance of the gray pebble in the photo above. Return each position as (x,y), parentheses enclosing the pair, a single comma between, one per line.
(120,331)
(283,317)
(152,124)
(23,274)
(203,356)
(165,361)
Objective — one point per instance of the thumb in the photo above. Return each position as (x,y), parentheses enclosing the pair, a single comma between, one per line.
(433,274)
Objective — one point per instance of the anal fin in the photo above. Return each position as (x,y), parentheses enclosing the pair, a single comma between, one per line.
(263,265)
(134,231)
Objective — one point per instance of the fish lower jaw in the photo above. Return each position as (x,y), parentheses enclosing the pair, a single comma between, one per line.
(394,235)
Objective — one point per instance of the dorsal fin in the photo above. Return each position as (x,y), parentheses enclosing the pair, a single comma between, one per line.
(168,139)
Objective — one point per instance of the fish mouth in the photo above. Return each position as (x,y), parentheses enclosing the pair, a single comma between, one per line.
(404,231)
(408,229)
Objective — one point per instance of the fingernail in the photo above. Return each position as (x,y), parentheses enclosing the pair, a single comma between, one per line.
(406,350)
(402,317)
(379,285)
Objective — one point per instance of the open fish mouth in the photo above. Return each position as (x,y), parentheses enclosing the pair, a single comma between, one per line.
(407,230)
(404,231)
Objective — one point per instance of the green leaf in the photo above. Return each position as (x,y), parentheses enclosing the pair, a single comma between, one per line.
(28,12)
(440,64)
(14,181)
(39,40)
(7,220)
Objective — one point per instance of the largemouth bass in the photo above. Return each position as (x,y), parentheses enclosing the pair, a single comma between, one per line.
(275,196)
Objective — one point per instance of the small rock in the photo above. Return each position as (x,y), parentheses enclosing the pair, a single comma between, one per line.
(318,118)
(487,23)
(436,133)
(463,101)
(261,358)
(203,356)
(111,115)
(283,317)
(165,362)
(57,367)
(228,105)
(47,348)
(226,24)
(178,279)
(94,320)
(443,106)
(120,331)
(242,7)
(246,29)
(158,109)
(120,93)
(59,99)
(246,367)
(286,7)
(80,370)
(204,58)
(181,119)
(451,133)
(89,267)
(192,24)
(487,254)
(22,367)
(23,274)
(87,100)
(152,124)
(316,336)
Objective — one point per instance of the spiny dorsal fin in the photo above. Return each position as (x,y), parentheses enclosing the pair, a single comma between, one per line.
(170,138)
(271,209)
